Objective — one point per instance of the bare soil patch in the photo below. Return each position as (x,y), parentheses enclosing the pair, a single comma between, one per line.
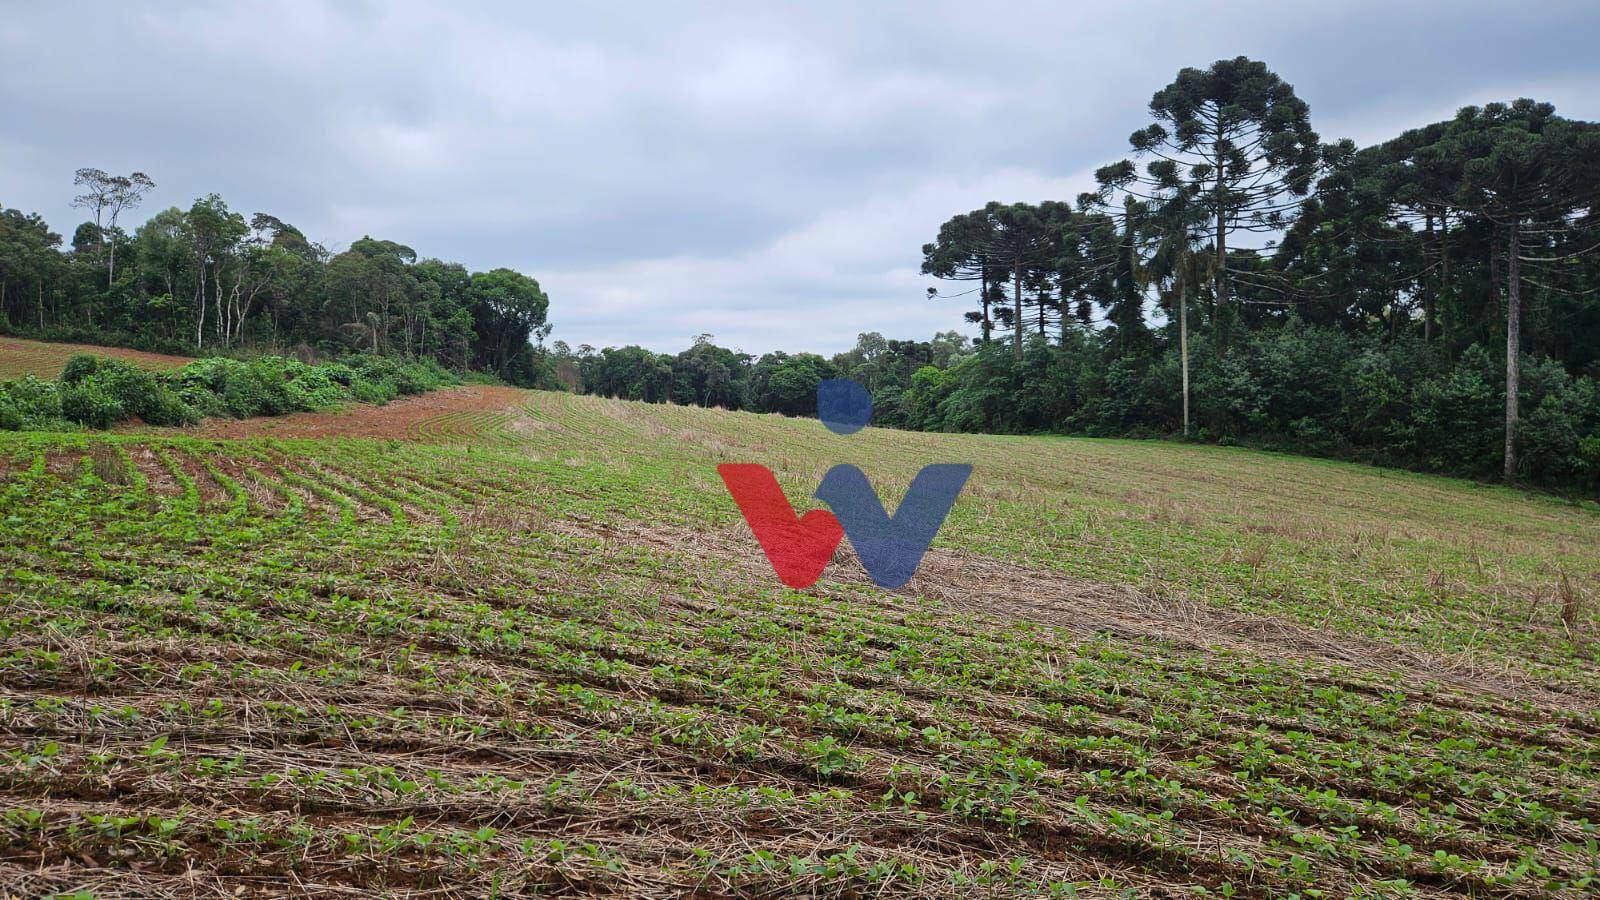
(396,420)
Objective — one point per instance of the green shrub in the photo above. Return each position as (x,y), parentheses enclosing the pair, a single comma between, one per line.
(379,392)
(265,382)
(408,382)
(80,367)
(419,377)
(142,394)
(338,373)
(316,389)
(30,403)
(371,368)
(241,398)
(206,404)
(237,389)
(200,385)
(210,374)
(88,402)
(169,409)
(98,392)
(1457,417)
(1561,434)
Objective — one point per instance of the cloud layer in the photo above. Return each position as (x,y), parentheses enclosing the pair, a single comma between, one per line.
(765,175)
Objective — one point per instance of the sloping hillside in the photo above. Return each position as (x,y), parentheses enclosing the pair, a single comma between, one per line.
(491,641)
(43,359)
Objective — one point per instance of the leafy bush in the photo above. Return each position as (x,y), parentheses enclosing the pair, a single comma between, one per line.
(315,388)
(99,392)
(1456,419)
(338,373)
(371,368)
(379,392)
(141,394)
(420,377)
(30,403)
(79,367)
(87,402)
(259,388)
(200,384)
(1561,436)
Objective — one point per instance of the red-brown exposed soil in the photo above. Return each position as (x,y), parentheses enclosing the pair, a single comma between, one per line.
(398,419)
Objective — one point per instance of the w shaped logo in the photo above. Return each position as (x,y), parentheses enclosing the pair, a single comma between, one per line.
(890,547)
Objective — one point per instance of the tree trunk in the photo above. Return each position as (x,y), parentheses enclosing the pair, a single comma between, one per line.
(1016,320)
(983,297)
(1220,287)
(1496,278)
(1446,310)
(1183,345)
(1428,287)
(200,308)
(216,297)
(1513,343)
(241,302)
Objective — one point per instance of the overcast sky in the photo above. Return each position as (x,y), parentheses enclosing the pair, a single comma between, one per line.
(764,173)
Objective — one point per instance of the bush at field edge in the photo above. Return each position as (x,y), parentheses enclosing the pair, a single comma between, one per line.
(98,392)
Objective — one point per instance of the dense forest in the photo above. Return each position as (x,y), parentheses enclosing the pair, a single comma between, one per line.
(1236,279)
(207,280)
(1432,301)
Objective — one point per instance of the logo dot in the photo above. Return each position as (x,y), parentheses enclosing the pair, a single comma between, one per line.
(843,405)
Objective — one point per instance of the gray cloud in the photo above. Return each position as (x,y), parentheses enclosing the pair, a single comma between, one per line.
(766,175)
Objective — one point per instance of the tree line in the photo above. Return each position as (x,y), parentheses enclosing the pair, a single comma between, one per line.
(209,280)
(1431,301)
(707,374)
(1231,224)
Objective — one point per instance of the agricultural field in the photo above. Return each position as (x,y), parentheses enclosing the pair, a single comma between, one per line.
(493,642)
(19,357)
